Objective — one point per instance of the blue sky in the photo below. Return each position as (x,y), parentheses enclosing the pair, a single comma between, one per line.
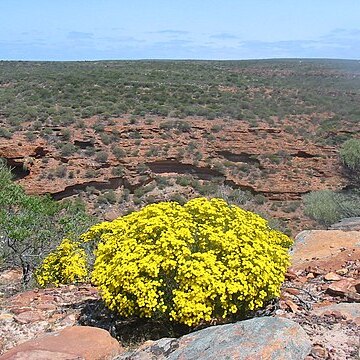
(178,29)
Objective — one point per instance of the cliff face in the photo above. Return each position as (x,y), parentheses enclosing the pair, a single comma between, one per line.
(276,166)
(267,161)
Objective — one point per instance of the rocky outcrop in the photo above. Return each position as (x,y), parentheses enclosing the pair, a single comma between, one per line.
(348,224)
(260,338)
(112,183)
(242,157)
(326,250)
(176,167)
(77,342)
(281,166)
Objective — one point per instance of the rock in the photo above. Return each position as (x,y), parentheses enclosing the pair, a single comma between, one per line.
(342,271)
(78,342)
(46,306)
(45,355)
(331,276)
(292,306)
(319,352)
(10,276)
(6,317)
(111,215)
(348,224)
(292,291)
(357,287)
(349,311)
(258,338)
(28,317)
(68,320)
(327,250)
(341,287)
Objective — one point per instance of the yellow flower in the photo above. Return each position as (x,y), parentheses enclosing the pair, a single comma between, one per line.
(190,263)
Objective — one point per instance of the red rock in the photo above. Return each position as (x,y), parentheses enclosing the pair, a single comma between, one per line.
(302,279)
(68,320)
(23,299)
(341,287)
(45,355)
(331,276)
(292,306)
(78,342)
(328,247)
(11,276)
(47,297)
(55,317)
(315,269)
(29,317)
(292,291)
(290,275)
(46,306)
(19,310)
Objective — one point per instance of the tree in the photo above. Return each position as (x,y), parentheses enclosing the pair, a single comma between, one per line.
(31,226)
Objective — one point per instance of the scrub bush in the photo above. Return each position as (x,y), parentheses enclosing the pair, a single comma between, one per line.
(188,264)
(350,154)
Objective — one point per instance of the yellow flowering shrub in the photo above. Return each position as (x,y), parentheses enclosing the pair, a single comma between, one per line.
(65,265)
(190,263)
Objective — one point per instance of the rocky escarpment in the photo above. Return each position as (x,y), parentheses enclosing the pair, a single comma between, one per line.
(277,164)
(124,156)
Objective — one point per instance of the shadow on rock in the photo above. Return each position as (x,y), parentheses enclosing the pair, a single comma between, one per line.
(128,330)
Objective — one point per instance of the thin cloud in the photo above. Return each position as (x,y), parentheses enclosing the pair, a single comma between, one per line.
(224,36)
(79,35)
(121,39)
(338,34)
(170,32)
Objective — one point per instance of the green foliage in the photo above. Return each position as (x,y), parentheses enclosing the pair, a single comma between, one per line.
(31,226)
(328,207)
(67,264)
(350,155)
(67,149)
(101,156)
(64,92)
(5,133)
(190,263)
(322,207)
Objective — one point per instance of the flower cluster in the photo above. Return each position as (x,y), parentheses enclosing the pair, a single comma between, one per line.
(65,265)
(190,263)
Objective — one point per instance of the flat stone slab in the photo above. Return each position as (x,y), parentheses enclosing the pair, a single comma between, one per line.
(77,342)
(258,338)
(328,250)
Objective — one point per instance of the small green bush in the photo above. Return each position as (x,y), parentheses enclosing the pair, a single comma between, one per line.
(350,156)
(190,263)
(322,206)
(328,207)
